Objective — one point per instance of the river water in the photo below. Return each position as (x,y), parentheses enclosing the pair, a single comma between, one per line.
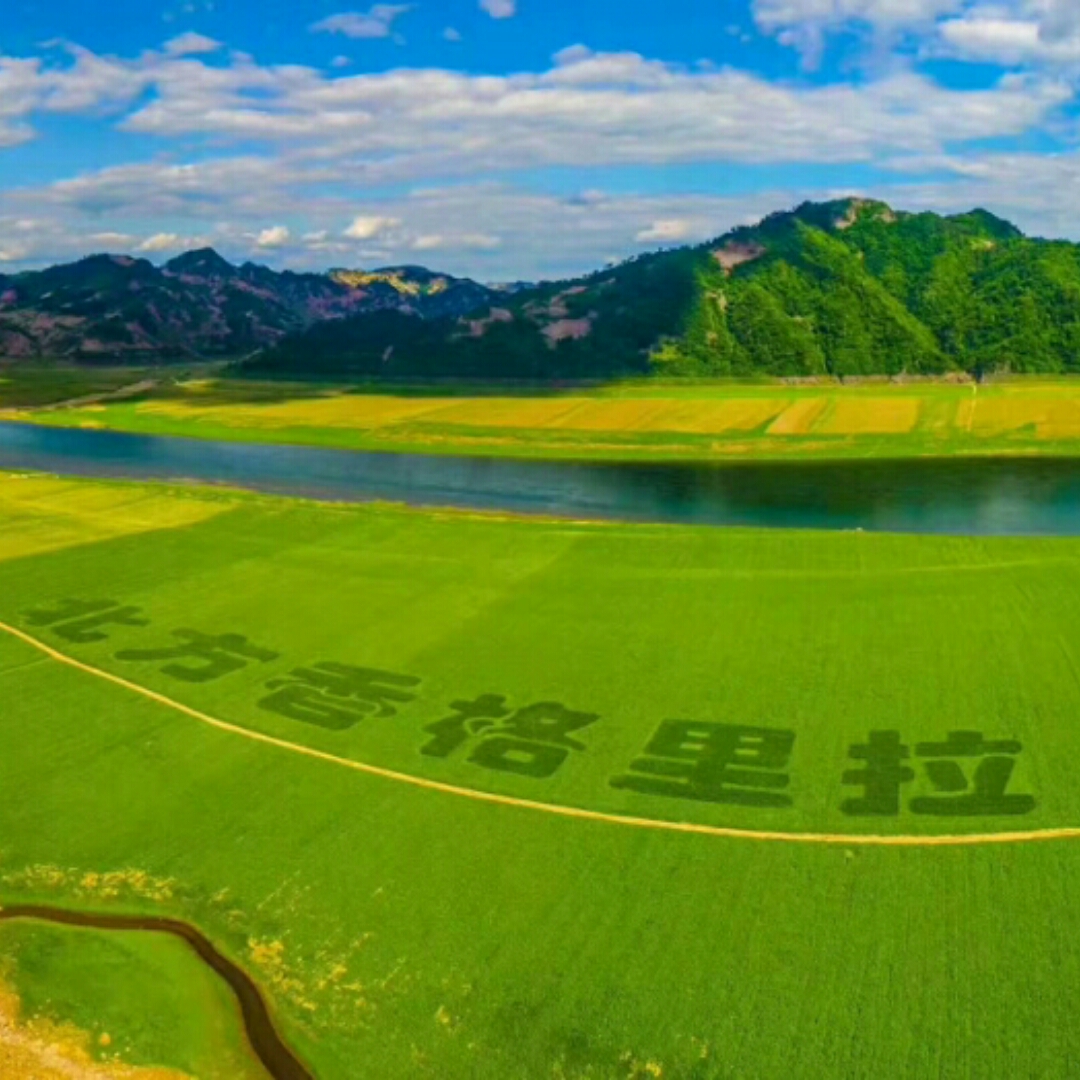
(1015,496)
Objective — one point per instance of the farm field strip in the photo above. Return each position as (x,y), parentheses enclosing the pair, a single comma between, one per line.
(1065,833)
(704,422)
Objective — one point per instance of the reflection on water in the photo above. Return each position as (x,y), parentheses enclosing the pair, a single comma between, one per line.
(981,497)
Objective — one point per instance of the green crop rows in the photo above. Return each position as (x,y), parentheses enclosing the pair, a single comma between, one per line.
(846,684)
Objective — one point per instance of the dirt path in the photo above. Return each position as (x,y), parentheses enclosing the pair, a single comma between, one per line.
(132,390)
(627,821)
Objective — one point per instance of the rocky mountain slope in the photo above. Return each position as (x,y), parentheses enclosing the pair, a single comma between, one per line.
(110,307)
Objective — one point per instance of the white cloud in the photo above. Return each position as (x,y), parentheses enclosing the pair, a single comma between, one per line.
(326,141)
(274,237)
(450,34)
(377,23)
(1060,21)
(368,228)
(191,45)
(457,241)
(500,9)
(162,242)
(113,241)
(542,235)
(589,109)
(995,31)
(1006,41)
(1045,32)
(19,94)
(804,24)
(668,231)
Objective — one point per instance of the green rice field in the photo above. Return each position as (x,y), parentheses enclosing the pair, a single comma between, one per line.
(477,797)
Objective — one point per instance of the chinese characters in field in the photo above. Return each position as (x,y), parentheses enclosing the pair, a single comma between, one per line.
(966,774)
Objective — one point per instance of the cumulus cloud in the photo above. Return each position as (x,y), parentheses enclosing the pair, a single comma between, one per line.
(368,228)
(191,44)
(500,9)
(1023,32)
(668,231)
(377,23)
(542,235)
(457,241)
(112,239)
(805,24)
(1060,21)
(19,95)
(274,237)
(589,109)
(162,242)
(317,141)
(1006,32)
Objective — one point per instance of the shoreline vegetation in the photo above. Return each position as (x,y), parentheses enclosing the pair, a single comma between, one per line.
(636,420)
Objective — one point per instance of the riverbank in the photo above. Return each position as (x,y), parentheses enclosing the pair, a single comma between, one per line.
(619,422)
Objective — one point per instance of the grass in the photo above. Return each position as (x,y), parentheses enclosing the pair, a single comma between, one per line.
(422,934)
(651,421)
(36,384)
(141,998)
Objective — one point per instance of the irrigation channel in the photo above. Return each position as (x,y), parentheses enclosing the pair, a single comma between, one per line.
(984,496)
(278,1060)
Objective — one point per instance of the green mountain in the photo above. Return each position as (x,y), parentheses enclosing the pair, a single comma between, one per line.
(843,288)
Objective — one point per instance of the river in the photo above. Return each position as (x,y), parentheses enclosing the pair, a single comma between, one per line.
(983,496)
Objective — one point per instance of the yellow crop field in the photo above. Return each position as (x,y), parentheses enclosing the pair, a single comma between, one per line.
(1062,421)
(709,421)
(630,414)
(368,412)
(340,411)
(997,416)
(505,412)
(871,416)
(799,419)
(44,514)
(714,417)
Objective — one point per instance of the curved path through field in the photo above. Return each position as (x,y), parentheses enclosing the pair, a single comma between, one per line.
(625,820)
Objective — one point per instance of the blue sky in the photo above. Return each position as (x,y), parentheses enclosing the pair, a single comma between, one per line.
(516,138)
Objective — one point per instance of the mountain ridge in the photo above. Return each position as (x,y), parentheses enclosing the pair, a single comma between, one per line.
(197,305)
(848,287)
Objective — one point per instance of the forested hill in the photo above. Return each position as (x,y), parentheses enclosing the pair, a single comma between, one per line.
(840,288)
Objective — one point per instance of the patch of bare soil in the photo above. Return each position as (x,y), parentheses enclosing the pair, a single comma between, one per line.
(39,1050)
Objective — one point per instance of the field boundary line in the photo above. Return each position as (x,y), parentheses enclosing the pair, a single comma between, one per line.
(602,816)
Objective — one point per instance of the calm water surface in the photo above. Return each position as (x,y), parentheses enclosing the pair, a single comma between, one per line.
(976,497)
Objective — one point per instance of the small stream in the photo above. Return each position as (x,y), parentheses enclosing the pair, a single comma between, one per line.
(278,1060)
